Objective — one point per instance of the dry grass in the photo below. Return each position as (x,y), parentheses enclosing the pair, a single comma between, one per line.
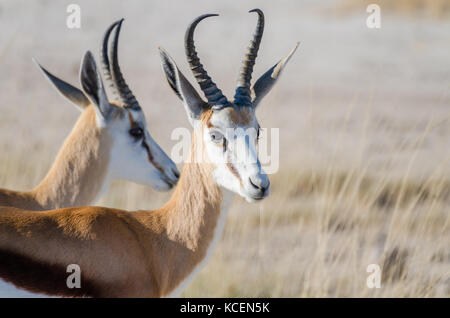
(316,233)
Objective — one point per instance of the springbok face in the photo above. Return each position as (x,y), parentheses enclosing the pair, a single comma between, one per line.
(230,137)
(229,130)
(134,155)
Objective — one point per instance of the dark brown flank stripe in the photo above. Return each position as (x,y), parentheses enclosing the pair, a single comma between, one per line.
(39,277)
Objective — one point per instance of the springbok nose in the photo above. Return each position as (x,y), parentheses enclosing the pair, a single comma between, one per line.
(260,183)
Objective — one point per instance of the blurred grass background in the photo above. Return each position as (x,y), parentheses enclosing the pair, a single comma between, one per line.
(364,118)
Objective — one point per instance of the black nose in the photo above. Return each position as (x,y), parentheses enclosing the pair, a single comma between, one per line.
(260,184)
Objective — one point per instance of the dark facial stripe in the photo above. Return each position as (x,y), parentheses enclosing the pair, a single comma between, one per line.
(146,146)
(39,277)
(130,118)
(233,169)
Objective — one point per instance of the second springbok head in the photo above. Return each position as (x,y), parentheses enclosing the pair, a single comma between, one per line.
(109,141)
(133,153)
(229,131)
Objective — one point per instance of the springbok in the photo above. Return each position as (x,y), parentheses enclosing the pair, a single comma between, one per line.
(150,253)
(109,141)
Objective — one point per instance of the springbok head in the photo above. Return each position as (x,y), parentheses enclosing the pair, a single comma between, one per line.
(134,155)
(229,130)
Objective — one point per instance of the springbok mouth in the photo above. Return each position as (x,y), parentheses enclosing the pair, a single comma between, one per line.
(257,198)
(169,183)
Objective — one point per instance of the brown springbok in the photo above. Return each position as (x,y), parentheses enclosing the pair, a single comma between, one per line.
(109,141)
(151,253)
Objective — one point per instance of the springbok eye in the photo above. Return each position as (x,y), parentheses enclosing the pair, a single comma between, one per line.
(136,132)
(216,137)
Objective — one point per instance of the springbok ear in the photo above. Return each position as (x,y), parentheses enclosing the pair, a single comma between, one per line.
(92,84)
(72,94)
(265,83)
(193,103)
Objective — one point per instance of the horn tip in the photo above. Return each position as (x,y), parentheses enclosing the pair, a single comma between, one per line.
(116,23)
(88,56)
(259,11)
(41,68)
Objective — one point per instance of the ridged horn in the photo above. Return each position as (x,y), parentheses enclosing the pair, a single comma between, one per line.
(242,95)
(212,93)
(104,60)
(125,94)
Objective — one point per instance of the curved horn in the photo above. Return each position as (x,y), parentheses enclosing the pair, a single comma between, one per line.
(212,93)
(242,95)
(104,60)
(125,94)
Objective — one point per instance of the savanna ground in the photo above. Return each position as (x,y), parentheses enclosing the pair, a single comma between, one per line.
(364,118)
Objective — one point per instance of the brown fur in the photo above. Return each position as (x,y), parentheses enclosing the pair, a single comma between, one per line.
(77,174)
(239,116)
(121,254)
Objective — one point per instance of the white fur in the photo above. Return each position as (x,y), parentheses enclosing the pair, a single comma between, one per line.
(129,158)
(241,153)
